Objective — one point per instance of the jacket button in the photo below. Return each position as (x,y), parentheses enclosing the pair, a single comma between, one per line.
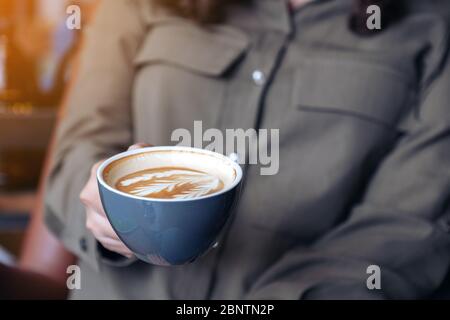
(259,78)
(83,244)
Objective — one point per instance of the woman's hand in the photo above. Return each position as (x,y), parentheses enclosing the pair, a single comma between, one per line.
(96,220)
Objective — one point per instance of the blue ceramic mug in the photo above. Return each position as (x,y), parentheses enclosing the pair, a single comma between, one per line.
(168,231)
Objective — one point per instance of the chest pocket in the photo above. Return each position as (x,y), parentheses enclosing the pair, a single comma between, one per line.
(372,92)
(181,73)
(343,118)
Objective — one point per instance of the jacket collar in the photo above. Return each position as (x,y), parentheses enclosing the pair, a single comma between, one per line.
(268,14)
(273,14)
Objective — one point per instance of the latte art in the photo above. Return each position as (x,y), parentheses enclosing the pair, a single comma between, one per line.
(170,183)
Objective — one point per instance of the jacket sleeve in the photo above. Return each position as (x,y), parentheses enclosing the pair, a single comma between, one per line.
(96,122)
(402,224)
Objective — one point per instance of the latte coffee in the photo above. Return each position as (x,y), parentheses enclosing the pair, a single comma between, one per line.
(170,175)
(169,205)
(170,183)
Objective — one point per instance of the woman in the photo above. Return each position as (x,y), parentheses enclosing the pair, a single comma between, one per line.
(364,139)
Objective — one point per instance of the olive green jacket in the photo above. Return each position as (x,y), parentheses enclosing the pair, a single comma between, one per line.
(364,176)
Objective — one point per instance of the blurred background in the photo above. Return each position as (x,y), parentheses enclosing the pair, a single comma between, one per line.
(37,55)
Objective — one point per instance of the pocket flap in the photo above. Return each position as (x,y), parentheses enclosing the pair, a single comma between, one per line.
(370,91)
(210,51)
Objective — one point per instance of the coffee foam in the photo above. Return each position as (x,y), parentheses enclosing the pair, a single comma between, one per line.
(207,163)
(176,183)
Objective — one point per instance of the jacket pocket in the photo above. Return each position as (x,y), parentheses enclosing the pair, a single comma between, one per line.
(363,90)
(206,51)
(344,118)
(182,71)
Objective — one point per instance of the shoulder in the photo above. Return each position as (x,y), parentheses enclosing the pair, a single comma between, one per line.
(119,18)
(122,12)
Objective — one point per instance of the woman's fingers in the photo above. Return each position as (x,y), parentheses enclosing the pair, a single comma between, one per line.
(99,225)
(115,246)
(90,195)
(96,220)
(104,233)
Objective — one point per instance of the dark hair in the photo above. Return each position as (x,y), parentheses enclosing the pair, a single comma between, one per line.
(209,11)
